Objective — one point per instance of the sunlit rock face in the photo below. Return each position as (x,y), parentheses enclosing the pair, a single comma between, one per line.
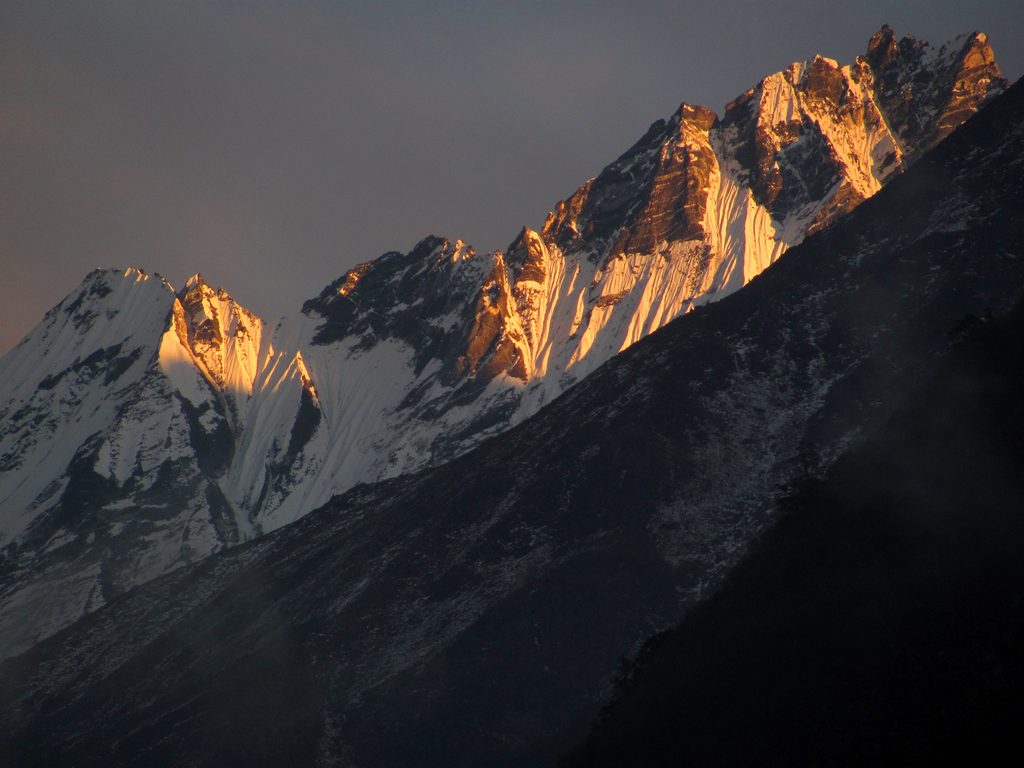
(144,428)
(224,339)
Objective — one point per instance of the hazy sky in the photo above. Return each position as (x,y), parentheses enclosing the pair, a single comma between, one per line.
(272,145)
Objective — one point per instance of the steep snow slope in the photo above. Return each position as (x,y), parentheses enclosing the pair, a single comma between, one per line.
(119,416)
(472,614)
(50,405)
(137,441)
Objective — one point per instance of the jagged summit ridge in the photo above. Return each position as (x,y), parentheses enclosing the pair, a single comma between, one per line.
(923,109)
(174,423)
(707,203)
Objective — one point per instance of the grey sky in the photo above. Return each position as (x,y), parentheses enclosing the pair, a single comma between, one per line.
(272,145)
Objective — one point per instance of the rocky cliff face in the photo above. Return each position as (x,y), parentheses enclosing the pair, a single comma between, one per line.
(226,427)
(925,93)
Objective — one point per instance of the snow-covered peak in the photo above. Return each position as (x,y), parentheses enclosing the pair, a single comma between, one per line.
(57,387)
(223,337)
(111,308)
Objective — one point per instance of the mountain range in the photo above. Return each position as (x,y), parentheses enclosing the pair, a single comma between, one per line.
(145,428)
(469,606)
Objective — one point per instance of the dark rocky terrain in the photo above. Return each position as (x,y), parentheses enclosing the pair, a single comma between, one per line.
(881,621)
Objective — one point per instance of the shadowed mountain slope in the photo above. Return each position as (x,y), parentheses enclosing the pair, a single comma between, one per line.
(881,621)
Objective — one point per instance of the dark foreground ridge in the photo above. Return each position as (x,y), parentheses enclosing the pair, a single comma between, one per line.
(472,615)
(881,621)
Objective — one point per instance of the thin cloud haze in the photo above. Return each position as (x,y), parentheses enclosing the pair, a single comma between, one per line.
(272,146)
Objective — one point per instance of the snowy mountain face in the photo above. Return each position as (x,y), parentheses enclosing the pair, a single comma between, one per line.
(143,429)
(120,411)
(472,614)
(98,448)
